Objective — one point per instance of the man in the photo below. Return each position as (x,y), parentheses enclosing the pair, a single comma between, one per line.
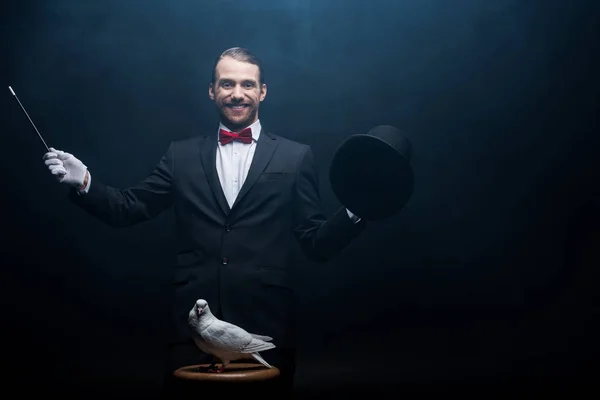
(241,196)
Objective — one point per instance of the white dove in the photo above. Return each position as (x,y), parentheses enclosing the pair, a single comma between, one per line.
(225,341)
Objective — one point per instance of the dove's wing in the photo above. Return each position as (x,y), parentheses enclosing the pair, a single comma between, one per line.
(226,336)
(257,345)
(261,337)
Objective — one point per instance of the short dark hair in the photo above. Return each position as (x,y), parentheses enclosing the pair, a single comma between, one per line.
(243,55)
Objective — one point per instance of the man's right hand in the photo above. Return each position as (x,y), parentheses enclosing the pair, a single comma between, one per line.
(66,167)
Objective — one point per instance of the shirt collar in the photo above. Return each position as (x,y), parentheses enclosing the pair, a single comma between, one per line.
(256,128)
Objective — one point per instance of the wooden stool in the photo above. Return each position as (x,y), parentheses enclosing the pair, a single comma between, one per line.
(237,377)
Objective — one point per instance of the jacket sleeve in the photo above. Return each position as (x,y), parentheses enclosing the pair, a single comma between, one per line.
(139,203)
(320,238)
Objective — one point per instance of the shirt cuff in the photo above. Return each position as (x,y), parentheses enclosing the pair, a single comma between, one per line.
(87,187)
(353,217)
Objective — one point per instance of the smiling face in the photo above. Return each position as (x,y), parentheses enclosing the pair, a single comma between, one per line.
(237,92)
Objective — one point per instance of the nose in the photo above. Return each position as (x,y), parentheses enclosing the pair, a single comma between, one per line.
(237,94)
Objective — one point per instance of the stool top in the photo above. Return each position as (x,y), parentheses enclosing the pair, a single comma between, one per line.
(234,372)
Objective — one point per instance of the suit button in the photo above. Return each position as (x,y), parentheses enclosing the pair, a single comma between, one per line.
(227,228)
(224,260)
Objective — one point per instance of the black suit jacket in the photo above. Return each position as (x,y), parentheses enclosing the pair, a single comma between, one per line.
(238,259)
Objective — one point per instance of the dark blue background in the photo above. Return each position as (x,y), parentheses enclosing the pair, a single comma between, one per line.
(488,275)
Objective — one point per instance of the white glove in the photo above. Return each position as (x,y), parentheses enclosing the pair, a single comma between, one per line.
(66,167)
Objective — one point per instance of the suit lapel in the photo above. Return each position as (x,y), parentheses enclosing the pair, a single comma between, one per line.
(265,147)
(208,154)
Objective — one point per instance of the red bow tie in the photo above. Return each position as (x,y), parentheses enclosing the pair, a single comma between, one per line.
(244,136)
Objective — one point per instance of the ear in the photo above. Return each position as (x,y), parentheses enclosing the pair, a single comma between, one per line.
(211,91)
(263,91)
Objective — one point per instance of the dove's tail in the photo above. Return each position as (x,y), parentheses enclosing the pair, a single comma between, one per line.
(261,360)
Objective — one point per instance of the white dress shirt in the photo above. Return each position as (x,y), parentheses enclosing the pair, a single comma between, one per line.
(233,162)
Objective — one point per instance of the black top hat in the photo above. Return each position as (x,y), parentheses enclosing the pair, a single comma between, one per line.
(371,174)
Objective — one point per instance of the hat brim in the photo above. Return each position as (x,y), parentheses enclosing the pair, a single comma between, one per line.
(370,177)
